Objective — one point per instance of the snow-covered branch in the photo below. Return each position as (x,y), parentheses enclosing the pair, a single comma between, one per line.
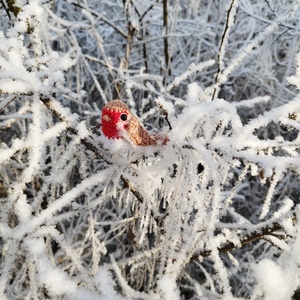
(212,213)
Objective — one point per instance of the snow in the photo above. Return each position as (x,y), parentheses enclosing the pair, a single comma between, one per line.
(193,68)
(168,288)
(115,145)
(273,284)
(104,279)
(56,281)
(59,204)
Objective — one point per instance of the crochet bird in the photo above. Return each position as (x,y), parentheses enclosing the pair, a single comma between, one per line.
(119,123)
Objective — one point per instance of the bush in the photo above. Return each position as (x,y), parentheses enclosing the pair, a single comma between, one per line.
(211,215)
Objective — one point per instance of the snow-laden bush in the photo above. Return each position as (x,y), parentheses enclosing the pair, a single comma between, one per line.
(211,215)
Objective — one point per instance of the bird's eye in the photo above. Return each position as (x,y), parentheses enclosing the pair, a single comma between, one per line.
(123,117)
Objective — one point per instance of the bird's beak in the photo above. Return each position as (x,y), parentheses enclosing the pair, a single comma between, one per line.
(106,118)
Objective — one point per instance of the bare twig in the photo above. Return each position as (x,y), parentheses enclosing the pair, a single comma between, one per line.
(145,13)
(133,190)
(166,116)
(7,102)
(166,45)
(263,233)
(5,8)
(228,24)
(145,55)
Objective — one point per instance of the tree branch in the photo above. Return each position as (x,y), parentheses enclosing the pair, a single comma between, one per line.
(87,142)
(263,233)
(222,46)
(135,192)
(105,20)
(6,10)
(166,45)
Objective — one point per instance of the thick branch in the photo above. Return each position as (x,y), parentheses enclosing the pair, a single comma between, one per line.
(263,233)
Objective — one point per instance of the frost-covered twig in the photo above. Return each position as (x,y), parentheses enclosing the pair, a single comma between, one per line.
(135,192)
(87,141)
(247,238)
(258,39)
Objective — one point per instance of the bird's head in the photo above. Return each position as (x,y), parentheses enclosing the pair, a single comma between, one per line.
(115,119)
